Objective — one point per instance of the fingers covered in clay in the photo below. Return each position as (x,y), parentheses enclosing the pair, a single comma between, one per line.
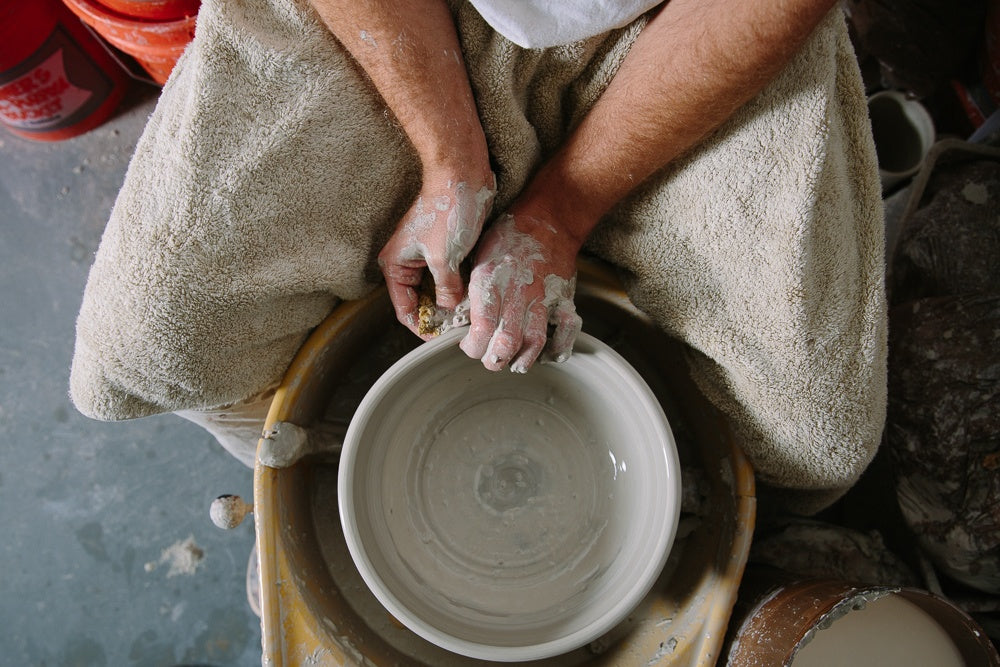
(436,233)
(402,282)
(521,283)
(564,317)
(484,315)
(535,335)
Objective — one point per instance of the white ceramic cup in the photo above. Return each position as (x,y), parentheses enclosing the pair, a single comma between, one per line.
(903,132)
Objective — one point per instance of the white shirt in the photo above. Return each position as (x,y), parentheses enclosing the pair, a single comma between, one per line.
(535,24)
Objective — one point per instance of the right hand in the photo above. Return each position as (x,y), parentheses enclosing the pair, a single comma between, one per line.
(523,281)
(436,233)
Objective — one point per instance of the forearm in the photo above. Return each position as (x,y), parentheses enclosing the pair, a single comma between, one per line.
(411,53)
(692,66)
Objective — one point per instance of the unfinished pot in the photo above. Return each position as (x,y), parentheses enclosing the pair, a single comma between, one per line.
(509,516)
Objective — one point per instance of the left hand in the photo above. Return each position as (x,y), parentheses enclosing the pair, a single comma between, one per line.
(436,234)
(523,279)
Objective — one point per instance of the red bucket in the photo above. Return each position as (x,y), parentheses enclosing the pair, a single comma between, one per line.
(155,44)
(56,79)
(154,10)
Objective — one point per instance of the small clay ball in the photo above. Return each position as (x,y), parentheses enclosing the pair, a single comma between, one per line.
(228,511)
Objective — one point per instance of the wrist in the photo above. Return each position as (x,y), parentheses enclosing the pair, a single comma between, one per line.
(455,144)
(472,172)
(447,165)
(562,204)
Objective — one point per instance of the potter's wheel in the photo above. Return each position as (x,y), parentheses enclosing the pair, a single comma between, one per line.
(317,607)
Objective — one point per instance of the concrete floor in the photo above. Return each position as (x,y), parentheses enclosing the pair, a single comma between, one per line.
(89,511)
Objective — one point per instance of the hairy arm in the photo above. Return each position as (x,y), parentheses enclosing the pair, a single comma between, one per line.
(696,63)
(410,52)
(693,65)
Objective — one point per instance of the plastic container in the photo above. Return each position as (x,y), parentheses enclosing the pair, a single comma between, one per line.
(903,131)
(786,622)
(56,79)
(155,44)
(154,10)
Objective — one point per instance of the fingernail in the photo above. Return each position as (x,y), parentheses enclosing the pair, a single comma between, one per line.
(549,358)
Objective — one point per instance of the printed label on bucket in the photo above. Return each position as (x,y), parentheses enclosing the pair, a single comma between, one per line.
(55,87)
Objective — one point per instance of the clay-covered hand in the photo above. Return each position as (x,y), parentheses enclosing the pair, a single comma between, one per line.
(437,233)
(523,280)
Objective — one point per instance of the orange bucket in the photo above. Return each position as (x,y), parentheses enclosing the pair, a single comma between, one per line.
(56,79)
(154,10)
(155,44)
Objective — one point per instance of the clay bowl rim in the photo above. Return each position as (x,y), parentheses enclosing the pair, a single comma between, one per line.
(616,611)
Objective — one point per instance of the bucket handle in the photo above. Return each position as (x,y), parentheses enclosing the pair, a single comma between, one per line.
(132,69)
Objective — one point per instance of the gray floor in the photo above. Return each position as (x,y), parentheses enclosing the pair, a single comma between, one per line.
(90,511)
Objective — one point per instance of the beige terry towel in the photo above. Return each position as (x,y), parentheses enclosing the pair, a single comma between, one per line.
(270,174)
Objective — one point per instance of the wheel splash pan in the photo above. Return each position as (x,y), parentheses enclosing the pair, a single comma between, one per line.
(315,606)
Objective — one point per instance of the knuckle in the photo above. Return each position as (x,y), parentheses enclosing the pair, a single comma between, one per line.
(449,287)
(505,341)
(535,339)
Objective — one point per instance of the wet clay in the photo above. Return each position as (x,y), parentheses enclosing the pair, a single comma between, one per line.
(506,506)
(464,212)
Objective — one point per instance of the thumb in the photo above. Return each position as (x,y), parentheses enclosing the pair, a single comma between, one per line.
(448,286)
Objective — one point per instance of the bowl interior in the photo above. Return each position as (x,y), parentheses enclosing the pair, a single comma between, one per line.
(505,516)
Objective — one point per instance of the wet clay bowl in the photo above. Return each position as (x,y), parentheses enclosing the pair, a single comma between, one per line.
(503,516)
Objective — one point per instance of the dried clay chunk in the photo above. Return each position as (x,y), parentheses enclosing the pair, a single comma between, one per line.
(943,430)
(951,245)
